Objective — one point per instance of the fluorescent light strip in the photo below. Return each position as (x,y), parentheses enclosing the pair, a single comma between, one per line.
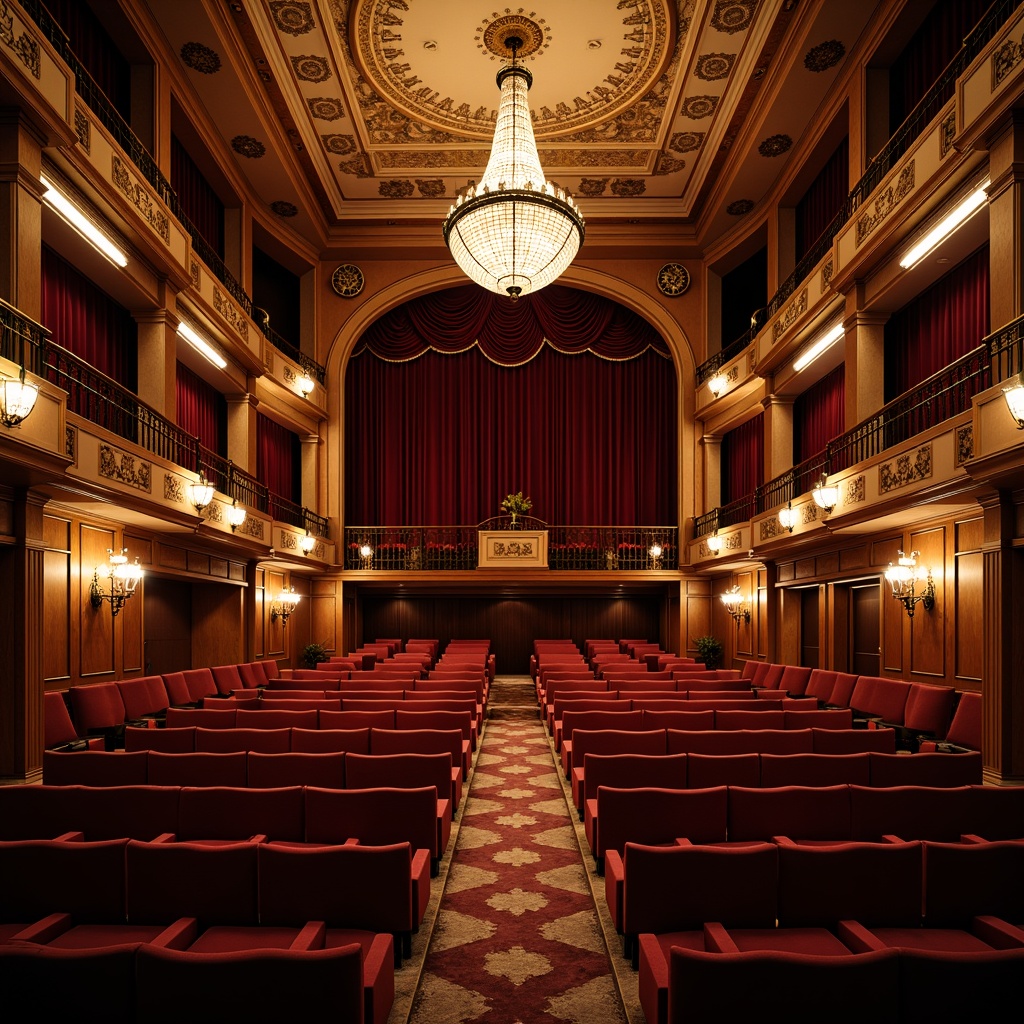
(201,345)
(945,227)
(826,341)
(82,224)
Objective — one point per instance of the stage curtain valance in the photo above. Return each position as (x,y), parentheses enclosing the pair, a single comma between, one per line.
(510,333)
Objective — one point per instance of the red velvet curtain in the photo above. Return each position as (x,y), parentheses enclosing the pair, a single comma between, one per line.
(742,459)
(442,438)
(819,415)
(87,322)
(939,326)
(278,459)
(201,409)
(823,199)
(201,204)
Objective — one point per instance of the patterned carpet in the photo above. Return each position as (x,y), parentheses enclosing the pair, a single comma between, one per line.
(515,937)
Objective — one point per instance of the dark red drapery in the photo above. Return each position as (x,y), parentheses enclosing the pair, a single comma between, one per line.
(823,199)
(201,204)
(278,459)
(939,326)
(819,415)
(88,322)
(742,459)
(442,438)
(201,409)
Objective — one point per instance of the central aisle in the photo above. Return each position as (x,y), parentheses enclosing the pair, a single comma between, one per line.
(517,937)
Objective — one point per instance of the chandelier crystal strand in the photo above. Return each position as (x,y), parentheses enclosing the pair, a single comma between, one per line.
(514,232)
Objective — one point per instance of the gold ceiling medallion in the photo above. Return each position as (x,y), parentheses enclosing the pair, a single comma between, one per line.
(673,279)
(347,280)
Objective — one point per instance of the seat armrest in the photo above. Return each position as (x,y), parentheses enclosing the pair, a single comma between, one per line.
(179,935)
(70,837)
(888,837)
(166,837)
(998,933)
(312,935)
(717,938)
(970,839)
(44,930)
(258,838)
(783,841)
(857,938)
(681,841)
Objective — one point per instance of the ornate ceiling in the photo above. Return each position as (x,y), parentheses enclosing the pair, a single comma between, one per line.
(341,111)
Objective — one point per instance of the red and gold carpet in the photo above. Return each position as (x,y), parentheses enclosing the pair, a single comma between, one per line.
(517,937)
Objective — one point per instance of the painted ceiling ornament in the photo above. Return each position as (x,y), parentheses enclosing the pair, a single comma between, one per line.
(686,142)
(668,165)
(775,145)
(347,280)
(739,207)
(246,145)
(699,107)
(591,187)
(733,15)
(673,279)
(712,66)
(201,58)
(283,208)
(292,16)
(339,145)
(625,187)
(824,56)
(311,68)
(396,188)
(326,108)
(430,188)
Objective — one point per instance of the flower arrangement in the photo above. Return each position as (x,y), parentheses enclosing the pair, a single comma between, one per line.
(516,504)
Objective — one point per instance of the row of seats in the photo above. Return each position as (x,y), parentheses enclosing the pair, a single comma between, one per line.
(841,903)
(198,899)
(295,814)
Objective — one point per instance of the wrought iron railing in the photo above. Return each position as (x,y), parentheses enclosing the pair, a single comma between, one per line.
(1006,350)
(110,117)
(21,339)
(605,548)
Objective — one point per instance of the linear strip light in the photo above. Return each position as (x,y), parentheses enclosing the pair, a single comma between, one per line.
(85,227)
(825,341)
(201,345)
(945,227)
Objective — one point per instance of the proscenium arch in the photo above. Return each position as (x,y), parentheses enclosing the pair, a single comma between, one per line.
(438,278)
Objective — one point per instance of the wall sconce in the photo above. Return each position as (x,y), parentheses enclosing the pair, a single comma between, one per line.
(307,543)
(283,606)
(305,384)
(733,601)
(17,399)
(366,557)
(714,543)
(717,385)
(124,578)
(200,493)
(825,495)
(1014,395)
(655,551)
(236,515)
(787,517)
(904,577)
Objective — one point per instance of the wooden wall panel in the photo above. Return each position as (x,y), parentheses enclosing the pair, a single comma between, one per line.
(96,636)
(218,628)
(927,629)
(970,620)
(167,612)
(274,630)
(744,632)
(325,612)
(56,654)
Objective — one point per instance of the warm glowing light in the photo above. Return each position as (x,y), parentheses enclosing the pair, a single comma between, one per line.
(85,227)
(236,515)
(945,227)
(200,344)
(787,517)
(714,543)
(717,385)
(306,384)
(200,493)
(818,346)
(1014,395)
(17,399)
(307,543)
(825,495)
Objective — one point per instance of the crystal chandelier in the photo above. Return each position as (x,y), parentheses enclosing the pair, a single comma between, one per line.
(514,232)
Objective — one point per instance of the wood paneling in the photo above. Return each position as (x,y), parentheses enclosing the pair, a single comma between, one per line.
(57,600)
(167,606)
(325,607)
(853,558)
(927,629)
(96,636)
(218,627)
(969,634)
(810,609)
(864,643)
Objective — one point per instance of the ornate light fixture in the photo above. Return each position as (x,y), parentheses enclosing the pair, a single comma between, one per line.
(904,577)
(236,515)
(200,493)
(655,551)
(514,232)
(365,557)
(825,495)
(1014,395)
(714,543)
(733,601)
(787,517)
(17,399)
(283,606)
(124,578)
(307,543)
(305,384)
(717,385)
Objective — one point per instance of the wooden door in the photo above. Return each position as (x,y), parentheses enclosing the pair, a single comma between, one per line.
(865,630)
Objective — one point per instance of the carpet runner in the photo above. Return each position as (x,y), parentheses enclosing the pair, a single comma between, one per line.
(517,938)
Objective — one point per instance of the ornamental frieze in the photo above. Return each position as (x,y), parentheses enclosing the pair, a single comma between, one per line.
(71,444)
(252,526)
(230,312)
(83,129)
(856,490)
(789,315)
(124,468)
(947,132)
(809,512)
(139,196)
(732,542)
(289,541)
(1005,59)
(174,490)
(771,527)
(826,273)
(964,444)
(24,47)
(885,202)
(513,549)
(905,469)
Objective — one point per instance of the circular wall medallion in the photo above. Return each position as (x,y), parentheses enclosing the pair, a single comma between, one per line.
(673,279)
(347,280)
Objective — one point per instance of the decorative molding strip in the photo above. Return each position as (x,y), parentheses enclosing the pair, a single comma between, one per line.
(826,273)
(887,200)
(139,196)
(289,541)
(174,490)
(1005,59)
(71,444)
(732,542)
(856,490)
(964,444)
(751,360)
(905,469)
(809,512)
(214,512)
(771,527)
(121,466)
(513,549)
(289,375)
(83,128)
(252,527)
(231,313)
(24,47)
(792,311)
(947,133)
(193,272)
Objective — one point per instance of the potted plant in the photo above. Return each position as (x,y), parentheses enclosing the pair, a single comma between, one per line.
(516,505)
(313,654)
(709,650)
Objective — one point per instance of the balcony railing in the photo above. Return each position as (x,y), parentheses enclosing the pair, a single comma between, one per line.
(433,548)
(111,119)
(939,398)
(21,339)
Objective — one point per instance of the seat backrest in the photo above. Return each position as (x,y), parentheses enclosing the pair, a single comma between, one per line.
(799,812)
(633,771)
(910,812)
(97,706)
(208,718)
(170,741)
(621,720)
(401,771)
(252,674)
(967,880)
(705,770)
(815,769)
(929,769)
(200,683)
(176,688)
(328,741)
(726,718)
(853,741)
(144,695)
(418,741)
(749,668)
(266,771)
(357,719)
(57,726)
(95,768)
(226,741)
(227,678)
(965,729)
(431,719)
(929,709)
(276,718)
(230,813)
(820,683)
(654,815)
(740,741)
(681,719)
(270,668)
(794,679)
(813,718)
(615,741)
(881,696)
(842,689)
(376,816)
(197,769)
(772,678)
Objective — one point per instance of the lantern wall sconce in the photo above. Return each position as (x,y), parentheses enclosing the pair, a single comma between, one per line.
(655,551)
(1014,395)
(236,515)
(717,385)
(904,578)
(200,493)
(787,517)
(123,579)
(365,557)
(733,601)
(307,543)
(714,543)
(283,606)
(305,384)
(17,399)
(825,495)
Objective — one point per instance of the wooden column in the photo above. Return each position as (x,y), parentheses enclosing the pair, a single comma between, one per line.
(20,214)
(1006,222)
